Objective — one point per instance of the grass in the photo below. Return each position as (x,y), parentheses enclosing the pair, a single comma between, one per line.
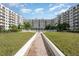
(68,43)
(10,43)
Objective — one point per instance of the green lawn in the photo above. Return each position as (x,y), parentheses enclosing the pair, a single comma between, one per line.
(68,43)
(10,43)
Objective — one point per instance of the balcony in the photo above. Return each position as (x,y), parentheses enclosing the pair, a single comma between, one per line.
(1,20)
(1,24)
(2,15)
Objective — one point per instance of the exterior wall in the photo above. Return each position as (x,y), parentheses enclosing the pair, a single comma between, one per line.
(76,17)
(16,19)
(6,18)
(71,19)
(48,22)
(36,24)
(62,18)
(20,19)
(66,17)
(2,17)
(40,24)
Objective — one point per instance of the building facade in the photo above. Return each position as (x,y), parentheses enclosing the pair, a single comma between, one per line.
(8,17)
(40,24)
(71,17)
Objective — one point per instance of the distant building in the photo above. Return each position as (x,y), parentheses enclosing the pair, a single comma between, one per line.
(40,24)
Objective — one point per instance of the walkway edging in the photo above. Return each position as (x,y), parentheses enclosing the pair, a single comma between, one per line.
(54,49)
(26,47)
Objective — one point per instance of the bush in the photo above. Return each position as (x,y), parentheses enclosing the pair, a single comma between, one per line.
(63,27)
(13,28)
(50,27)
(5,31)
(27,25)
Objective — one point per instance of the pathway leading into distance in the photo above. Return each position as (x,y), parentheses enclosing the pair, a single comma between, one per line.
(38,47)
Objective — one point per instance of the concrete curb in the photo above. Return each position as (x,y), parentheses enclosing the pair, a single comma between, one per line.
(26,47)
(50,46)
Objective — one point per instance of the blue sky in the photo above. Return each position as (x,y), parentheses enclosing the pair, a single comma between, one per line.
(39,10)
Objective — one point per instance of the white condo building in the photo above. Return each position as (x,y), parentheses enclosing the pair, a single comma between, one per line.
(9,17)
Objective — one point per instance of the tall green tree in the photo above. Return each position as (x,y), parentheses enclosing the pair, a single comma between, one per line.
(20,26)
(63,26)
(47,27)
(59,27)
(13,28)
(50,27)
(27,25)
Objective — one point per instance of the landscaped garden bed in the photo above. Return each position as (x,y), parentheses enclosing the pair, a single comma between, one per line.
(68,43)
(10,43)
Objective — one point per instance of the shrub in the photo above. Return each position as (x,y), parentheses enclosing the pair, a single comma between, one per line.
(50,27)
(13,28)
(27,25)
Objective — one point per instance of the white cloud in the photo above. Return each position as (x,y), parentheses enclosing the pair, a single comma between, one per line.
(13,4)
(17,5)
(60,11)
(50,5)
(39,10)
(55,7)
(24,10)
(63,10)
(22,5)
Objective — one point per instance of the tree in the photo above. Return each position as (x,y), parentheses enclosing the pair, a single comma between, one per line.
(20,26)
(1,29)
(50,27)
(13,28)
(27,25)
(59,27)
(47,27)
(64,26)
